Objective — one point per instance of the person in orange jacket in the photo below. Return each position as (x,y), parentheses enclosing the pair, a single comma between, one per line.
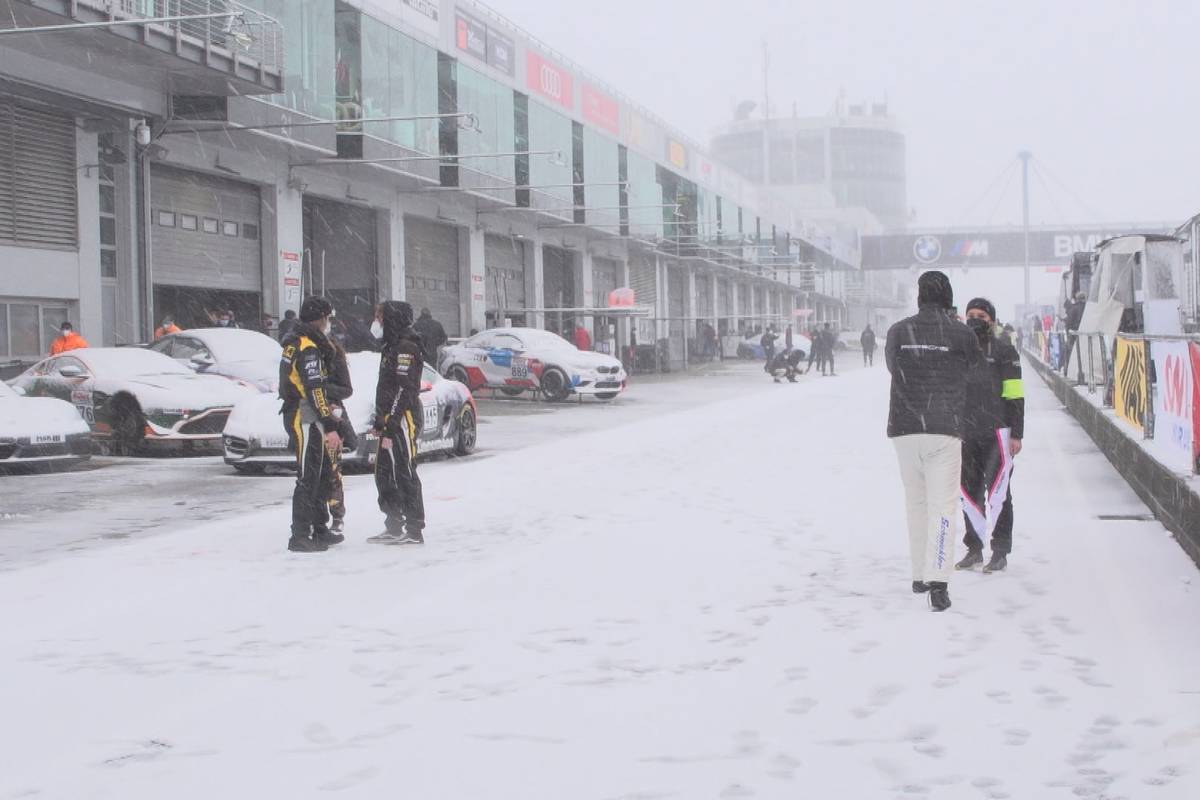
(168,327)
(67,340)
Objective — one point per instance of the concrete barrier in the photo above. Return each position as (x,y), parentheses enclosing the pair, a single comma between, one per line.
(1168,495)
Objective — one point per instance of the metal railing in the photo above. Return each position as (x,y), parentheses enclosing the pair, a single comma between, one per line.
(241,31)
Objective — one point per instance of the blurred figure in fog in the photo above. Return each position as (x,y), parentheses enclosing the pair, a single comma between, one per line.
(167,328)
(583,339)
(432,334)
(67,340)
(287,324)
(868,345)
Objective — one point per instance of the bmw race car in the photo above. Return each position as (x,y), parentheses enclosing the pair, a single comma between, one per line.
(40,430)
(131,396)
(515,360)
(255,436)
(247,356)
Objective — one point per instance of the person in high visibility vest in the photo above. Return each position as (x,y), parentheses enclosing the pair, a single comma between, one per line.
(67,340)
(167,328)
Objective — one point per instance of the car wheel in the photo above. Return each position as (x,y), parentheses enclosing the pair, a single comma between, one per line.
(555,387)
(468,432)
(128,427)
(249,469)
(606,395)
(459,374)
(512,391)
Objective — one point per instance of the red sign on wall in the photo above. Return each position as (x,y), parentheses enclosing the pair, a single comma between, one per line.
(1194,350)
(549,80)
(602,110)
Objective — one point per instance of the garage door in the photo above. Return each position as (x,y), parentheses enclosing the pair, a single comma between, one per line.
(204,231)
(504,271)
(677,302)
(604,280)
(431,267)
(704,303)
(645,294)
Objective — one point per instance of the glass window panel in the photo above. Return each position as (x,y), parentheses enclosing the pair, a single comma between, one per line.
(492,104)
(602,166)
(108,199)
(399,79)
(52,319)
(549,130)
(187,222)
(310,60)
(644,190)
(108,230)
(108,263)
(23,330)
(4,331)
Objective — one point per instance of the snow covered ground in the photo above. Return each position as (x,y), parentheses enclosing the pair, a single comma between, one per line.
(708,603)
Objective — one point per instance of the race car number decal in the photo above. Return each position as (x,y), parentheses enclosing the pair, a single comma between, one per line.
(520,368)
(431,418)
(47,439)
(82,400)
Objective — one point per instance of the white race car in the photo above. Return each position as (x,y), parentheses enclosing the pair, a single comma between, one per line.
(39,430)
(255,435)
(131,396)
(515,360)
(247,356)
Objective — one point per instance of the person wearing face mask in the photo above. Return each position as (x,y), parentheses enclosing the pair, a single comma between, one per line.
(305,370)
(995,428)
(398,420)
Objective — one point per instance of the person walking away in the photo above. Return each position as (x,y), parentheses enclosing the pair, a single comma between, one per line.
(816,351)
(340,388)
(167,328)
(432,334)
(398,419)
(1073,317)
(67,340)
(787,338)
(868,346)
(995,427)
(304,372)
(768,344)
(583,339)
(831,338)
(929,356)
(287,325)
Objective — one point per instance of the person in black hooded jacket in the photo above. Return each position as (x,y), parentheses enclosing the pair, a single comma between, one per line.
(398,419)
(929,356)
(995,428)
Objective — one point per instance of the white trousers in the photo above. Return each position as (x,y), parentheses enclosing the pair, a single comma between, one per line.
(930,468)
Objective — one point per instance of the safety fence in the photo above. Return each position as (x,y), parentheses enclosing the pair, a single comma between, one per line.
(1152,384)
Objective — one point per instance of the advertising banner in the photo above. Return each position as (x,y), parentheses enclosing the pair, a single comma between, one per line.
(549,80)
(601,110)
(1194,348)
(1129,396)
(470,35)
(1173,400)
(501,53)
(677,154)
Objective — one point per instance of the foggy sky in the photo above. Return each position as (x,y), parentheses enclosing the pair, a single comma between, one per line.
(1102,92)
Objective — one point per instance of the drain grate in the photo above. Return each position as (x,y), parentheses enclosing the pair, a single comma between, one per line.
(1125,517)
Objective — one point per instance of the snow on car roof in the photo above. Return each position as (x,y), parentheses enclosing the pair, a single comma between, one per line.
(7,391)
(110,361)
(535,336)
(235,344)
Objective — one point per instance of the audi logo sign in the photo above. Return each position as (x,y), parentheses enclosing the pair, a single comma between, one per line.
(549,80)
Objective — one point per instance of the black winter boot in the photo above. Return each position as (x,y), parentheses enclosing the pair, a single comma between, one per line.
(972,558)
(327,537)
(997,563)
(920,587)
(939,596)
(306,544)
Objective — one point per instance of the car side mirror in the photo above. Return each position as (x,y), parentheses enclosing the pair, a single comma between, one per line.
(201,362)
(426,386)
(70,372)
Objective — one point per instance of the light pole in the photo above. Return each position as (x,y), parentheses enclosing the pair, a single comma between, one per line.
(1025,155)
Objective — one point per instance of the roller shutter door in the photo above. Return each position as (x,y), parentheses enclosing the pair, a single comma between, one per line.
(604,280)
(504,271)
(704,304)
(37,177)
(204,231)
(431,264)
(644,283)
(677,302)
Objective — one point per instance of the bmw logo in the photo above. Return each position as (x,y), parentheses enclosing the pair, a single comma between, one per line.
(927,249)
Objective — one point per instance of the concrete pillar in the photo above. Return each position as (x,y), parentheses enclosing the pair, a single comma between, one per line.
(283,246)
(735,316)
(473,277)
(535,282)
(89,319)
(663,327)
(624,324)
(690,311)
(584,287)
(755,311)
(392,269)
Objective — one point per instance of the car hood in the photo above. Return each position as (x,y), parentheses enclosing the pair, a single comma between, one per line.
(31,416)
(168,390)
(263,377)
(581,359)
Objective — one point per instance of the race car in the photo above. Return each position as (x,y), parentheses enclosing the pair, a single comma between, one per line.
(255,436)
(751,347)
(515,360)
(247,356)
(40,430)
(132,397)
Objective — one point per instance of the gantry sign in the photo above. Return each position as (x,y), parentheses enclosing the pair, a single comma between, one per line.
(984,248)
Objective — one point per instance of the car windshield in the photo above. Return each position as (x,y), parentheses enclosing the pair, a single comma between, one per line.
(119,361)
(238,345)
(544,340)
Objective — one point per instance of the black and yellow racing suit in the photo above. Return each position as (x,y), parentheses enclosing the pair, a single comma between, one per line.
(398,417)
(308,415)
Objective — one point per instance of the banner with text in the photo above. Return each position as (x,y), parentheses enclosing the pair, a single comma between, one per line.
(1173,400)
(1130,392)
(549,80)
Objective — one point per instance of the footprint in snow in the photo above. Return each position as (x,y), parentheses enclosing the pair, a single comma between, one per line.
(349,780)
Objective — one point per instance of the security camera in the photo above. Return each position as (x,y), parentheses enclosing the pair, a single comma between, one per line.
(141,134)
